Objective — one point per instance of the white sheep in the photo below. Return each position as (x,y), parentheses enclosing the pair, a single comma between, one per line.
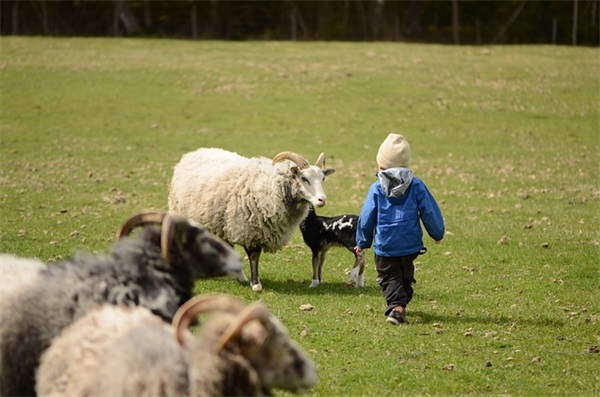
(114,351)
(254,202)
(156,269)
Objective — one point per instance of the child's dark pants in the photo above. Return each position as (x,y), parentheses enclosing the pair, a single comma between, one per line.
(395,276)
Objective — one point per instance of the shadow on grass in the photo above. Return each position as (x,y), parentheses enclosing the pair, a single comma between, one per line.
(430,318)
(302,288)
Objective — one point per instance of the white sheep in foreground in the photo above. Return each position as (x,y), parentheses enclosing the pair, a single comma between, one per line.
(254,202)
(156,269)
(114,351)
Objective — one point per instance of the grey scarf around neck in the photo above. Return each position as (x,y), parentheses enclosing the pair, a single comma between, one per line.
(395,181)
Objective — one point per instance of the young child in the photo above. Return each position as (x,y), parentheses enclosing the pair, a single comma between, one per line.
(390,215)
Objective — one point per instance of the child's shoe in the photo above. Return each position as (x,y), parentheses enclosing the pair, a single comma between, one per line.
(397,317)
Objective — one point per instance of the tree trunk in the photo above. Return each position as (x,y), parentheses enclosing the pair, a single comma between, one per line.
(15,17)
(377,19)
(45,25)
(455,23)
(293,25)
(117,13)
(194,22)
(574,31)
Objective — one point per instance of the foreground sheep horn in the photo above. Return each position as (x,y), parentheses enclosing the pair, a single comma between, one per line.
(194,307)
(188,312)
(170,232)
(257,311)
(253,202)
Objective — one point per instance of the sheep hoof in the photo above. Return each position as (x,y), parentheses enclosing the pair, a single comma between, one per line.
(313,284)
(257,287)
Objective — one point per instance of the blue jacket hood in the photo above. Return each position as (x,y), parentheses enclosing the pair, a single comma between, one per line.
(395,181)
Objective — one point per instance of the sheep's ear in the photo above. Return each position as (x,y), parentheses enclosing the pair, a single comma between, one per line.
(328,171)
(295,170)
(174,234)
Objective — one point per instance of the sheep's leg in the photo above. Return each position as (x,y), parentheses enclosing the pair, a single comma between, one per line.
(316,277)
(357,276)
(321,261)
(253,256)
(241,277)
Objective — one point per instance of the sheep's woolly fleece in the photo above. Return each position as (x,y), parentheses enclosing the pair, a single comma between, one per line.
(100,344)
(225,188)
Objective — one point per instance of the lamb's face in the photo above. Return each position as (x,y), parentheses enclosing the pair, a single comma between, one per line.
(310,184)
(210,256)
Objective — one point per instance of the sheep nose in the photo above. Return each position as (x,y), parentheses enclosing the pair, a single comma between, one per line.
(321,201)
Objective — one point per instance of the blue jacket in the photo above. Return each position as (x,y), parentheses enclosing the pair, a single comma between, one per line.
(391,213)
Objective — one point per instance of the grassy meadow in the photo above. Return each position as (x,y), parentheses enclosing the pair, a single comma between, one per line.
(507,139)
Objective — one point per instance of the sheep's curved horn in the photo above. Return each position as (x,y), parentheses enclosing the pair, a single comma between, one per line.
(256,311)
(168,235)
(321,161)
(202,304)
(143,218)
(300,161)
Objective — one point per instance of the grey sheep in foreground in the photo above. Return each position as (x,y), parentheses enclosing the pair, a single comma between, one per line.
(155,269)
(239,351)
(253,202)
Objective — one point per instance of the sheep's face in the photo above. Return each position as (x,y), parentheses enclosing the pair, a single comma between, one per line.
(309,183)
(278,360)
(208,255)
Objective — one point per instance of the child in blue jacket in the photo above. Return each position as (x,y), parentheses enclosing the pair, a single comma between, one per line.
(391,216)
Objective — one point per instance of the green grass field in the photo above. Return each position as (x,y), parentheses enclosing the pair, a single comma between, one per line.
(506,138)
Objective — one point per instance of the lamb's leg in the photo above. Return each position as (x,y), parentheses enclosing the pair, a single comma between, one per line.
(321,261)
(316,277)
(357,276)
(253,256)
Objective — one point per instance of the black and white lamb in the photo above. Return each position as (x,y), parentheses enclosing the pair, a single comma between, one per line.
(155,269)
(116,351)
(254,202)
(321,233)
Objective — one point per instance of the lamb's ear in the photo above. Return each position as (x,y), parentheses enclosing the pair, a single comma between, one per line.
(256,311)
(174,234)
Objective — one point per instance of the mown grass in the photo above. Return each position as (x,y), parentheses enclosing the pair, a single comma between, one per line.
(507,139)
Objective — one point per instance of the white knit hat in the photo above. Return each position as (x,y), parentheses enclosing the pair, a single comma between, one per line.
(394,152)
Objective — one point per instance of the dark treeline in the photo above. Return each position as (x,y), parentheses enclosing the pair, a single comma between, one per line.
(574,22)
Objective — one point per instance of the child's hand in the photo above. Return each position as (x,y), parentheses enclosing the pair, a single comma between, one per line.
(357,250)
(438,241)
